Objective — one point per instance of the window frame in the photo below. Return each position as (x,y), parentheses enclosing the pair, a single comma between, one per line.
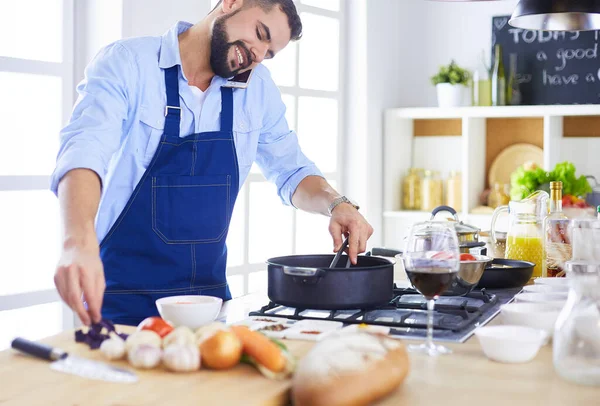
(64,70)
(247,268)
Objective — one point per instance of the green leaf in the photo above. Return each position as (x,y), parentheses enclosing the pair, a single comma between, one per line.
(451,73)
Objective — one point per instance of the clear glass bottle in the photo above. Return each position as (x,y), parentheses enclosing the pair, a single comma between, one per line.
(431,191)
(498,79)
(411,190)
(513,91)
(482,86)
(576,340)
(557,241)
(454,190)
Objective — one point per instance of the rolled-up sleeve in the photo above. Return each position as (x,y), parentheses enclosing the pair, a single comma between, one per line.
(279,155)
(95,128)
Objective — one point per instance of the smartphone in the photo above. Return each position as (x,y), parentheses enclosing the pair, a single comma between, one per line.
(240,81)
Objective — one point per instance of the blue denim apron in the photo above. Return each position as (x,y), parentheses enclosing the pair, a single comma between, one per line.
(170,238)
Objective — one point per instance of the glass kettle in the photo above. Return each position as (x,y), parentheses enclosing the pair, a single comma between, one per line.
(576,341)
(524,239)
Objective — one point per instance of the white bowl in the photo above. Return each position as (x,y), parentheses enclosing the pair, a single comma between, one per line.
(190,311)
(536,315)
(546,288)
(510,344)
(557,299)
(551,281)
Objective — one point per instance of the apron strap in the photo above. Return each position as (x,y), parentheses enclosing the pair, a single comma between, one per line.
(173,110)
(226,109)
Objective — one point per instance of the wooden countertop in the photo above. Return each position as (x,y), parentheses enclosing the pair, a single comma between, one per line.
(464,377)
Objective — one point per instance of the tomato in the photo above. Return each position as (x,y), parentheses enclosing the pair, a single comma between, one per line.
(156,324)
(467,257)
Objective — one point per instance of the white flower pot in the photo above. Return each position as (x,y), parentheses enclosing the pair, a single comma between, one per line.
(449,95)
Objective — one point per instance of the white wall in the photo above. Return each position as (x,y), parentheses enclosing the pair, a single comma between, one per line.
(433,33)
(154,17)
(97,23)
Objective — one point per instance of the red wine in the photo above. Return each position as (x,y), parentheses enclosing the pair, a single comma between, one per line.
(431,282)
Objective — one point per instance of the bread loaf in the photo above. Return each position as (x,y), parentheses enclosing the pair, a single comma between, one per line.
(350,369)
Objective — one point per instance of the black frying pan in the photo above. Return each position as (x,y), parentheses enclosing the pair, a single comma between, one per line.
(500,274)
(506,273)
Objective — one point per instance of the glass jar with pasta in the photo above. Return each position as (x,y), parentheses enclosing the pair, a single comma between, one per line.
(411,190)
(431,191)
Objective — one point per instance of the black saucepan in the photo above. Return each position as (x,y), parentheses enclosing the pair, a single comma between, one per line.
(311,282)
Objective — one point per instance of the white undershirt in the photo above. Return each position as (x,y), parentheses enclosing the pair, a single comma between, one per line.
(199,95)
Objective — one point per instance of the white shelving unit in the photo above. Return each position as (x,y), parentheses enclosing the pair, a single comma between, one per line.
(565,132)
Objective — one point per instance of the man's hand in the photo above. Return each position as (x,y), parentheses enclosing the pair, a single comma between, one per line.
(79,275)
(346,220)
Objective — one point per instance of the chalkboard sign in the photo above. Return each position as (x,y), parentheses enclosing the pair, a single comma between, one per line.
(552,67)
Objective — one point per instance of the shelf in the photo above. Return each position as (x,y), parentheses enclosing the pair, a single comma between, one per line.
(496,112)
(468,139)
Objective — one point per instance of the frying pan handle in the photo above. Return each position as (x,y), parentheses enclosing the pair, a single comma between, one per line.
(444,208)
(385,252)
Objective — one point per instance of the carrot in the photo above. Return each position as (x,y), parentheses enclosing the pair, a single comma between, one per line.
(259,347)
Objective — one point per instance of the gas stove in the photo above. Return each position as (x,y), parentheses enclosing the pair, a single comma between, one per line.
(455,318)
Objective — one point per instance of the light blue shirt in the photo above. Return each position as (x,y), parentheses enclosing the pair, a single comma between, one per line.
(118,120)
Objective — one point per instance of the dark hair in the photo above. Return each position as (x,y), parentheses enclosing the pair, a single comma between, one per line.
(287,6)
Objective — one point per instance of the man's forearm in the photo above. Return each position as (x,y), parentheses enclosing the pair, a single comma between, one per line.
(79,196)
(314,195)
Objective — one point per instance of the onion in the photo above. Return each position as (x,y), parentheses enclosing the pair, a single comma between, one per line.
(221,351)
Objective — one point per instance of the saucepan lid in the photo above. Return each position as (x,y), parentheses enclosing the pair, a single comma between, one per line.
(460,227)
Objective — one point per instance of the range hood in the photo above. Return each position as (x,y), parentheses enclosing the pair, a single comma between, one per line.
(553,15)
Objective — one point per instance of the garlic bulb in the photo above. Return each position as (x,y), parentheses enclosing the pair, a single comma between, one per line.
(143,337)
(144,356)
(207,331)
(113,348)
(181,358)
(180,336)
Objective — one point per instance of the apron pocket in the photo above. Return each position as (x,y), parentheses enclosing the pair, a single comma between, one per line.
(190,209)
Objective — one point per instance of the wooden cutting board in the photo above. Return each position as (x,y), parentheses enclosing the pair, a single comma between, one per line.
(29,381)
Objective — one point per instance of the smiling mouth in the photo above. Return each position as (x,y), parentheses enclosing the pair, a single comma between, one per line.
(242,57)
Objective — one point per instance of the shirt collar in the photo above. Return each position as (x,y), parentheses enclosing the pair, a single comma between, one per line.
(169,46)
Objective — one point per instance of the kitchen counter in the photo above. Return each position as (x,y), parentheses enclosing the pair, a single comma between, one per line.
(464,377)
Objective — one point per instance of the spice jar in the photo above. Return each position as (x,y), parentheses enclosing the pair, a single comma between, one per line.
(498,196)
(453,191)
(431,191)
(411,190)
(576,341)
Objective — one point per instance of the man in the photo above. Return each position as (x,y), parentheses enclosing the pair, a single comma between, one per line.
(156,150)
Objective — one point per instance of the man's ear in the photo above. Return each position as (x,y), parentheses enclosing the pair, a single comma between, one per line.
(228,6)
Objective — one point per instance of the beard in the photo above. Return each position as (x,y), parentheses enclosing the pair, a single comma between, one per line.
(219,50)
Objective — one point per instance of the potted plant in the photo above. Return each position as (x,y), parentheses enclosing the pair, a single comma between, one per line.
(451,83)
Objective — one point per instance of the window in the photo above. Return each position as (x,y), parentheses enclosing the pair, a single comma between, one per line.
(36,81)
(308,73)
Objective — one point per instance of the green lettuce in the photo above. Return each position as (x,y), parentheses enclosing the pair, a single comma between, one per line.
(524,182)
(572,185)
(527,179)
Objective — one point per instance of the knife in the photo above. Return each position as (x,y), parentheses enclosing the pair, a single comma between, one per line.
(70,364)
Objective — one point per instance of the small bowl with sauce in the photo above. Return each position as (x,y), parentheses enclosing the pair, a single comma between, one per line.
(192,311)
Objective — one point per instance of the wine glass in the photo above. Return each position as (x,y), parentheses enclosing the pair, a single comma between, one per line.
(432,261)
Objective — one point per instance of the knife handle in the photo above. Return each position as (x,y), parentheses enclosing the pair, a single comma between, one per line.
(42,351)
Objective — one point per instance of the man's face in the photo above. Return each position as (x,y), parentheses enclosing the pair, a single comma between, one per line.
(244,38)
